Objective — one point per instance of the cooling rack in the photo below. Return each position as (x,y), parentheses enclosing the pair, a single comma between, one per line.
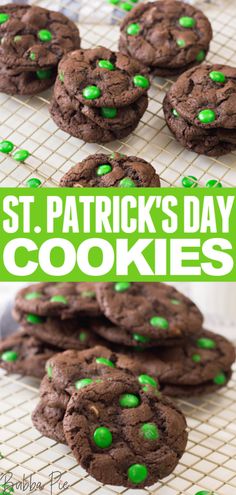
(208,464)
(26,121)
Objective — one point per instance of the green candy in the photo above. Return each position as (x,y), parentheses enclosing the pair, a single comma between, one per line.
(91,92)
(206,116)
(59,298)
(6,489)
(83,336)
(129,401)
(213,183)
(133,29)
(106,64)
(149,431)
(196,358)
(187,22)
(43,74)
(204,343)
(217,76)
(114,2)
(220,379)
(127,182)
(32,56)
(4,17)
(189,181)
(159,322)
(34,319)
(204,492)
(147,380)
(175,302)
(6,146)
(33,295)
(175,113)
(108,112)
(33,182)
(61,76)
(141,338)
(102,437)
(126,6)
(104,169)
(122,286)
(88,294)
(49,371)
(201,56)
(44,35)
(181,43)
(9,356)
(137,473)
(141,81)
(21,155)
(105,361)
(84,382)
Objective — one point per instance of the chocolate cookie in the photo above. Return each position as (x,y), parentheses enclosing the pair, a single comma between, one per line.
(168,37)
(113,170)
(199,109)
(202,364)
(24,354)
(71,371)
(153,310)
(99,77)
(64,300)
(94,125)
(123,433)
(26,83)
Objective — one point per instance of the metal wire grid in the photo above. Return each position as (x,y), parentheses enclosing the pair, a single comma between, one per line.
(26,121)
(208,463)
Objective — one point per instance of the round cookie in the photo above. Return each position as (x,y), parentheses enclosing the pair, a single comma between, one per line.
(48,421)
(168,37)
(201,364)
(153,310)
(115,170)
(24,354)
(199,109)
(123,433)
(26,83)
(33,37)
(88,124)
(99,77)
(63,300)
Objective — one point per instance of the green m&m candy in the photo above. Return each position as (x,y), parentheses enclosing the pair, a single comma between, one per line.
(149,431)
(189,181)
(106,64)
(43,74)
(196,358)
(127,182)
(204,492)
(141,338)
(108,112)
(44,35)
(34,319)
(21,155)
(206,116)
(126,6)
(159,322)
(133,29)
(147,380)
(137,473)
(33,295)
(122,286)
(49,371)
(6,489)
(32,56)
(6,146)
(4,17)
(220,379)
(91,92)
(217,76)
(83,336)
(175,113)
(9,356)
(141,81)
(205,343)
(102,437)
(84,382)
(187,22)
(105,361)
(104,169)
(180,42)
(213,183)
(129,401)
(33,182)
(59,298)
(201,56)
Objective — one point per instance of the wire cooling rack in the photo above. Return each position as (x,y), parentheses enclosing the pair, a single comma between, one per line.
(208,464)
(26,121)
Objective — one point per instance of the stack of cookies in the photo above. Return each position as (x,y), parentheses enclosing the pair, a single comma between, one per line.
(33,41)
(99,95)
